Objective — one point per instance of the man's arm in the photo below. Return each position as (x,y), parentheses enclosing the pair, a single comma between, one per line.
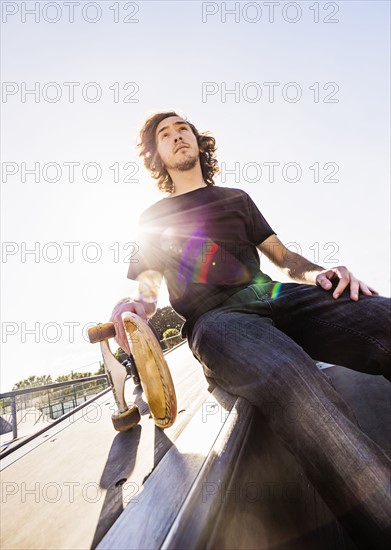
(143,303)
(302,270)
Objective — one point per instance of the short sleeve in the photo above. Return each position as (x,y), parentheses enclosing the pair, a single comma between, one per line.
(147,253)
(258,228)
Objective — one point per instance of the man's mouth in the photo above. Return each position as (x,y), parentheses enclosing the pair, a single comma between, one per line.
(180,147)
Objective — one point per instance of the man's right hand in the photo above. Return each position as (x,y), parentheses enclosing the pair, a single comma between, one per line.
(127,304)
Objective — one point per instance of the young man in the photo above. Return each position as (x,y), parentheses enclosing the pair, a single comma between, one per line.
(258,338)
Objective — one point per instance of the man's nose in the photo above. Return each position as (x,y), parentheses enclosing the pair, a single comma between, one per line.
(177,137)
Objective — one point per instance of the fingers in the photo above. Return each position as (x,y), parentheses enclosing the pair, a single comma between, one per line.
(367,290)
(120,336)
(354,287)
(139,310)
(122,339)
(323,279)
(372,290)
(346,278)
(116,318)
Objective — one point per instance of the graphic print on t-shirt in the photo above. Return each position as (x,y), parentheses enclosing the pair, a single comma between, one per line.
(196,258)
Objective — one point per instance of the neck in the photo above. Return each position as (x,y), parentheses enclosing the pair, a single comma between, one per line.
(185,181)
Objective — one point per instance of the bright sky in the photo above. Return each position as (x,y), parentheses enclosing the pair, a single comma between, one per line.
(328,120)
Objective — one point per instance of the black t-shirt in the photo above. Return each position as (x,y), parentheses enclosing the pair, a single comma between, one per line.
(204,243)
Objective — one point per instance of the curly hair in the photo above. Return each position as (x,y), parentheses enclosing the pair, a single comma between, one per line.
(153,163)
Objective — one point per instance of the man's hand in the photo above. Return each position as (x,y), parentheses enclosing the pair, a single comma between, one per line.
(346,277)
(127,304)
(143,303)
(302,270)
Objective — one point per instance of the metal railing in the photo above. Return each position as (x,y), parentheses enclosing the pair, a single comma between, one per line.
(14,395)
(167,345)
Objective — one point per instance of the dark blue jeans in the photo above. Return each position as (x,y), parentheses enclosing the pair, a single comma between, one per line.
(262,344)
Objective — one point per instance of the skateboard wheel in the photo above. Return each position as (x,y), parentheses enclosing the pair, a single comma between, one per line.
(125,421)
(100,332)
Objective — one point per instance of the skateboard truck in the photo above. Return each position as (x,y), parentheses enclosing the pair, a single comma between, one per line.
(127,416)
(150,365)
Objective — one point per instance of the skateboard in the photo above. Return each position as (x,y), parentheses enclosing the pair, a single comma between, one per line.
(149,367)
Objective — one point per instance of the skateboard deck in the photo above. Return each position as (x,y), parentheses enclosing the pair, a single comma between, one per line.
(152,368)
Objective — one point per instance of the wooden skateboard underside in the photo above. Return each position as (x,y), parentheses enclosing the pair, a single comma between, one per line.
(152,370)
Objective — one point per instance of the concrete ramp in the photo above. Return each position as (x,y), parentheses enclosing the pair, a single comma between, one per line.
(67,486)
(218,478)
(29,421)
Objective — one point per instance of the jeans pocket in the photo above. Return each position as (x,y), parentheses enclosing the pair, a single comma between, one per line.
(261,291)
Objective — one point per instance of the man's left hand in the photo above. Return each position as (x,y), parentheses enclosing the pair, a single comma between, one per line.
(346,277)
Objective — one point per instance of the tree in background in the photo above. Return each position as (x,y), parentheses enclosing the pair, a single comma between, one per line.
(72,376)
(170,332)
(172,337)
(33,381)
(164,319)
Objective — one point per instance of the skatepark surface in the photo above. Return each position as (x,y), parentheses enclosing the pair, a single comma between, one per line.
(81,485)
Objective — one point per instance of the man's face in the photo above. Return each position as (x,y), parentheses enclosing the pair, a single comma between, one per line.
(176,144)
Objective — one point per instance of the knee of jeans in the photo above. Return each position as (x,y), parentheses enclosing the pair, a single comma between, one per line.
(198,336)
